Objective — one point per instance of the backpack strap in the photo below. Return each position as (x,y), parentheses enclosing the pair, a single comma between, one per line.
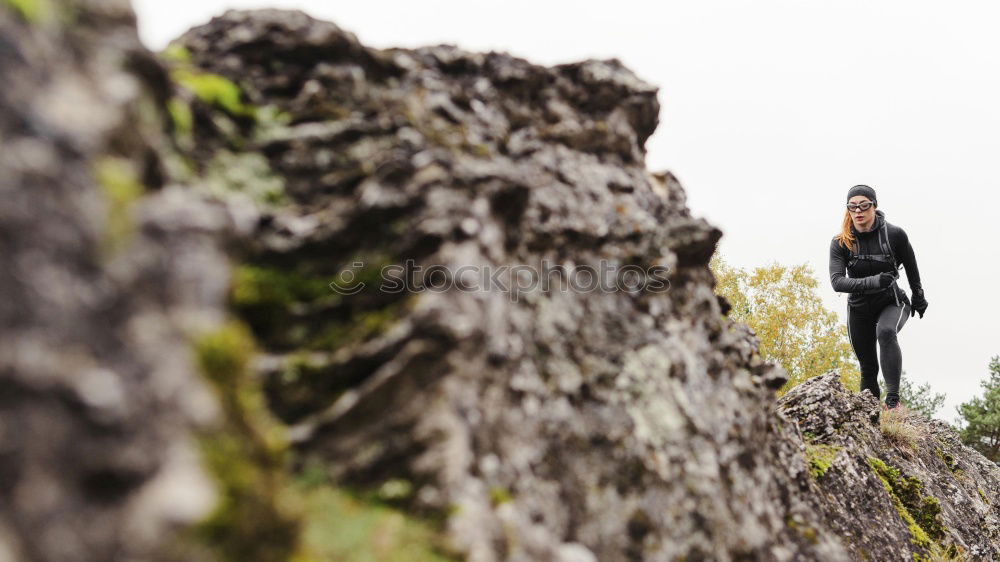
(887,248)
(854,252)
(886,255)
(892,257)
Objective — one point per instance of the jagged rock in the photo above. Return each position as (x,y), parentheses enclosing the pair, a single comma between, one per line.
(616,425)
(552,425)
(945,488)
(104,268)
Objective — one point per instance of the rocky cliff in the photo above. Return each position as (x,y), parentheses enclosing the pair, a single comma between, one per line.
(266,159)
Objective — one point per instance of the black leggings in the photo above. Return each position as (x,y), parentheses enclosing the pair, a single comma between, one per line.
(877,321)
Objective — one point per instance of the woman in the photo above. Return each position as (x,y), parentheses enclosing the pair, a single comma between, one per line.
(870,250)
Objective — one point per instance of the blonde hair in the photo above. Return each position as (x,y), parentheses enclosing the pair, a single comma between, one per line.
(845,237)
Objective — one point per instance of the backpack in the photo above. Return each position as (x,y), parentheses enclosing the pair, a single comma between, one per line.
(886,256)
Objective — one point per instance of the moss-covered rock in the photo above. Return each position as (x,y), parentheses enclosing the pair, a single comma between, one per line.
(119,182)
(920,512)
(918,473)
(820,456)
(255,518)
(32,11)
(355,527)
(214,90)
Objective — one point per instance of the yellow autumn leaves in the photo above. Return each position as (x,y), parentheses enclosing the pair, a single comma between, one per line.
(782,305)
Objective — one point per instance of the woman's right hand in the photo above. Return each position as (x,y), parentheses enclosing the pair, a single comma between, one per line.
(885,279)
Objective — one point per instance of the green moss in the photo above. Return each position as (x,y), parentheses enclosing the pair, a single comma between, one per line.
(808,435)
(119,183)
(362,325)
(31,11)
(302,387)
(270,299)
(982,494)
(920,513)
(258,286)
(176,53)
(289,310)
(223,356)
(499,495)
(948,460)
(180,116)
(928,517)
(938,553)
(215,90)
(255,517)
(346,526)
(820,457)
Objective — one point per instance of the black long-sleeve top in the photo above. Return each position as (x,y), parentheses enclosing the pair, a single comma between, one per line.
(865,273)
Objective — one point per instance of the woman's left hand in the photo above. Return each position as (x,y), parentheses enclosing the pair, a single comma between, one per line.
(919,304)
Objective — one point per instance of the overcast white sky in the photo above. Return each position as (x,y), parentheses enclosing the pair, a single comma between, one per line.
(771,111)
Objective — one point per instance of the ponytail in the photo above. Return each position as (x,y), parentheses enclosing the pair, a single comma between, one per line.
(845,237)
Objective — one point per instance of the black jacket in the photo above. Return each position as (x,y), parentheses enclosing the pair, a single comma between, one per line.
(863,276)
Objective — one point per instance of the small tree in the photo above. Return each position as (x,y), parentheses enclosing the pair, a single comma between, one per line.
(783,307)
(982,416)
(919,398)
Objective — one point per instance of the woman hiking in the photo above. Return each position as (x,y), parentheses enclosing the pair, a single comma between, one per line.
(871,250)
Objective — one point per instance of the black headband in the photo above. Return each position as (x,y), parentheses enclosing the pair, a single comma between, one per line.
(862,190)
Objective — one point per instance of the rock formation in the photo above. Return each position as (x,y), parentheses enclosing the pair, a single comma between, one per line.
(450,158)
(892,483)
(633,422)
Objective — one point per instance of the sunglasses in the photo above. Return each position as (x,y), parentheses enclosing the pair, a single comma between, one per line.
(864,206)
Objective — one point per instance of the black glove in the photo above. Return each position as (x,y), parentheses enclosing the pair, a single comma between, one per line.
(919,304)
(885,279)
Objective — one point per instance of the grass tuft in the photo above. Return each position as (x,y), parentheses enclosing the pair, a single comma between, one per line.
(902,427)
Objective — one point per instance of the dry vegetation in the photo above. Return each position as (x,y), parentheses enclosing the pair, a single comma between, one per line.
(902,427)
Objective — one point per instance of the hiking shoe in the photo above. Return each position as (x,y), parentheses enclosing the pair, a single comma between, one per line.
(896,407)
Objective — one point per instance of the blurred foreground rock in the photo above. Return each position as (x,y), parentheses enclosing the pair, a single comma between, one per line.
(106,269)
